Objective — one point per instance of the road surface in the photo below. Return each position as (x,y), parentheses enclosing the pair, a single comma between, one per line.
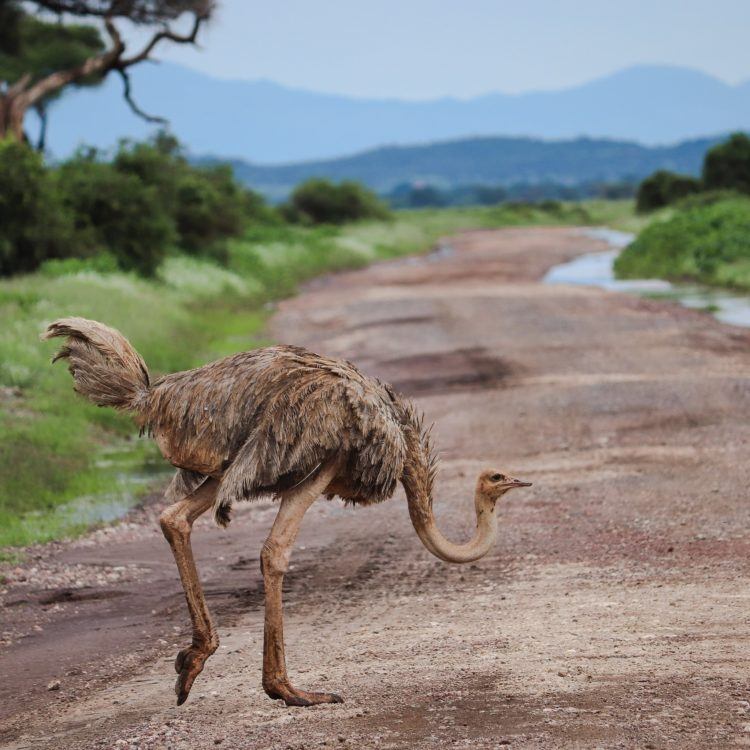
(613,612)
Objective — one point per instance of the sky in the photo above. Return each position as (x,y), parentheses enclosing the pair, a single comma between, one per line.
(423,49)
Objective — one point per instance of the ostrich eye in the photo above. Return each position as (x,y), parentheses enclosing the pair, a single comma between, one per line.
(497,477)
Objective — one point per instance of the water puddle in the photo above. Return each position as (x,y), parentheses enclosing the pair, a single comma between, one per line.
(130,477)
(596,269)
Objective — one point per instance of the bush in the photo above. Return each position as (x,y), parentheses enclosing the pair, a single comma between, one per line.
(210,208)
(709,243)
(318,201)
(33,223)
(207,203)
(727,166)
(663,188)
(117,212)
(148,198)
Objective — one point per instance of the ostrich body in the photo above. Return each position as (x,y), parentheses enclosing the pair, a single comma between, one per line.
(277,421)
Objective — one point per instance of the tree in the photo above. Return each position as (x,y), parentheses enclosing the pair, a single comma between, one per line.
(320,201)
(663,188)
(39,59)
(727,166)
(34,226)
(31,45)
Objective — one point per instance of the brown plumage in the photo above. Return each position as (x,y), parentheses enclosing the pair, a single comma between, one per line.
(278,421)
(262,420)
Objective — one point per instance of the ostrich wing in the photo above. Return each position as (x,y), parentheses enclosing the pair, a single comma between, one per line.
(308,412)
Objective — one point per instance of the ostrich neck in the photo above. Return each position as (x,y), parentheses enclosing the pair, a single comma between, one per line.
(432,538)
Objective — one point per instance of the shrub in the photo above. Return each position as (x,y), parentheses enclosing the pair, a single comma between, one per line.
(116,212)
(709,243)
(207,204)
(318,201)
(727,166)
(33,224)
(209,208)
(663,188)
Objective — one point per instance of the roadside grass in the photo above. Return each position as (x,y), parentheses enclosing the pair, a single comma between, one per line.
(56,449)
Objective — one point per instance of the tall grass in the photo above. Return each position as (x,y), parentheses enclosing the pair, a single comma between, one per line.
(54,447)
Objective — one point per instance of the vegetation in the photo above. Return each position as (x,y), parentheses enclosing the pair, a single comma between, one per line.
(709,243)
(136,207)
(727,166)
(59,450)
(318,201)
(33,224)
(706,235)
(421,195)
(32,46)
(663,188)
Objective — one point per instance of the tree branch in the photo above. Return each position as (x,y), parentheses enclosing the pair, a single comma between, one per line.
(97,64)
(128,95)
(190,38)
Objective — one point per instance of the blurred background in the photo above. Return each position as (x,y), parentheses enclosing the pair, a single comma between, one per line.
(190,162)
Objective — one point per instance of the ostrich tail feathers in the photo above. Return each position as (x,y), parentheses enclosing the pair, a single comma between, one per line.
(106,369)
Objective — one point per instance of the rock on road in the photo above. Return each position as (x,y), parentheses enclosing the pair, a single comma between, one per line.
(614,612)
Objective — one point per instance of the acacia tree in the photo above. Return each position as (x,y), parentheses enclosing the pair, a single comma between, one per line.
(33,85)
(36,46)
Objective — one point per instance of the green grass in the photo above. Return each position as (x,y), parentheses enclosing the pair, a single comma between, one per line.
(706,243)
(53,445)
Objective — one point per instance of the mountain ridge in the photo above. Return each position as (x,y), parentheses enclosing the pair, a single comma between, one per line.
(488,160)
(269,123)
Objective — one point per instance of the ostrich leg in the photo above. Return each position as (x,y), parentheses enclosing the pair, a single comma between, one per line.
(177,523)
(274,563)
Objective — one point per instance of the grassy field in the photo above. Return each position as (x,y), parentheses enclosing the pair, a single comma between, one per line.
(56,448)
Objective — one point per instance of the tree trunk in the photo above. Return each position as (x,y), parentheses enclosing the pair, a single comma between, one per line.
(14,102)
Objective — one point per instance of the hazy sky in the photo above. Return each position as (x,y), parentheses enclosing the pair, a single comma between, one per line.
(429,48)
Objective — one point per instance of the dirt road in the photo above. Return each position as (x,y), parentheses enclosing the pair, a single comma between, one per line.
(613,612)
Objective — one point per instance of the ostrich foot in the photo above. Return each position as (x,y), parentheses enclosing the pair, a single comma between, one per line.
(293,697)
(188,665)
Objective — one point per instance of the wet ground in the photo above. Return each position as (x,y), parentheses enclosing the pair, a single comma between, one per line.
(612,613)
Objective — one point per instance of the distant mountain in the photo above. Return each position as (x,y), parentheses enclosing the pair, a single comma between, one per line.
(267,123)
(485,161)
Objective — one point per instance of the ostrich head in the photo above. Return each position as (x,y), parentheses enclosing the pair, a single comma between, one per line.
(493,484)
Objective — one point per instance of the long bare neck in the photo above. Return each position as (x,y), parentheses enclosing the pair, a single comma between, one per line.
(478,546)
(418,476)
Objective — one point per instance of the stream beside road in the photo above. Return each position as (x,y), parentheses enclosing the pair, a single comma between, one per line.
(597,269)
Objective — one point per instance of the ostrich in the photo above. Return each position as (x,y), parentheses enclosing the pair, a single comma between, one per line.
(277,421)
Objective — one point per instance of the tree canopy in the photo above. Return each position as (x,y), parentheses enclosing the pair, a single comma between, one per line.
(727,166)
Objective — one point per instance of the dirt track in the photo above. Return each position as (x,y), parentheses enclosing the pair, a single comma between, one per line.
(613,612)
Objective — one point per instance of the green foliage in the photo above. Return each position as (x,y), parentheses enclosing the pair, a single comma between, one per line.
(29,44)
(663,188)
(318,201)
(33,224)
(709,243)
(136,207)
(117,212)
(407,195)
(206,204)
(727,166)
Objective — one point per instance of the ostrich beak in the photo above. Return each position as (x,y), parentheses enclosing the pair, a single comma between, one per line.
(518,483)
